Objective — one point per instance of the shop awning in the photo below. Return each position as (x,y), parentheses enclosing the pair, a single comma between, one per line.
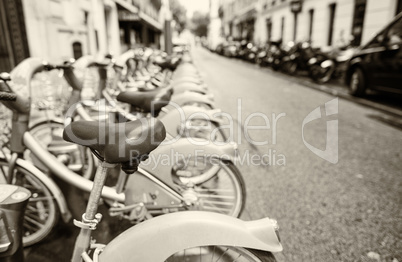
(249,13)
(131,13)
(127,6)
(150,21)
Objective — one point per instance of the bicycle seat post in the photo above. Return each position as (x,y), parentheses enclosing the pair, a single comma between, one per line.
(90,218)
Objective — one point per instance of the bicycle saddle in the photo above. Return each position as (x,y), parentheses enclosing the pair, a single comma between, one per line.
(118,143)
(149,101)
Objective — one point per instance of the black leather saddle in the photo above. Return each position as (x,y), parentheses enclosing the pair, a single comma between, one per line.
(147,101)
(118,143)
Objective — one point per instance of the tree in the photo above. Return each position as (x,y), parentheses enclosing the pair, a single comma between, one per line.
(200,24)
(178,15)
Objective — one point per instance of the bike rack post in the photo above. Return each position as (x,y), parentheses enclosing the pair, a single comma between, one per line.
(13,201)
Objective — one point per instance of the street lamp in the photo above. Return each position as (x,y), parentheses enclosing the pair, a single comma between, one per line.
(295,8)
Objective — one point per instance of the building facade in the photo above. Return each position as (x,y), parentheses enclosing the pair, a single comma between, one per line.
(322,22)
(140,22)
(61,29)
(71,28)
(215,34)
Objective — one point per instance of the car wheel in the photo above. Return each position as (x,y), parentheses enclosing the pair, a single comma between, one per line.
(357,83)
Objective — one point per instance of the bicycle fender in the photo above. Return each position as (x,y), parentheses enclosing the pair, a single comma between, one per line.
(162,160)
(156,239)
(183,87)
(44,120)
(191,97)
(187,79)
(53,188)
(175,119)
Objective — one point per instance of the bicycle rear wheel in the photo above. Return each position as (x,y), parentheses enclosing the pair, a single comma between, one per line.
(222,254)
(41,213)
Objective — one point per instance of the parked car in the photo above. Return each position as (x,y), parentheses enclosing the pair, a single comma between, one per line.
(378,64)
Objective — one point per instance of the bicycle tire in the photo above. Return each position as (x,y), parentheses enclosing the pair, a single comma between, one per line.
(41,210)
(223,254)
(87,169)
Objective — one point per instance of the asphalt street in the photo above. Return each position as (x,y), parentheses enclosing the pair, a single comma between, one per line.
(345,208)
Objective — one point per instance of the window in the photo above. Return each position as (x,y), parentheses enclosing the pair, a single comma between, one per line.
(358,21)
(295,26)
(332,8)
(269,29)
(399,6)
(311,21)
(282,27)
(77,50)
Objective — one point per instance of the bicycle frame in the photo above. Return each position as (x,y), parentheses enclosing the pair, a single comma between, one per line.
(138,243)
(158,177)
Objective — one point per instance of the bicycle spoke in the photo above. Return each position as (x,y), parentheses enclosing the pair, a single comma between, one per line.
(222,254)
(36,199)
(216,196)
(237,258)
(30,220)
(32,214)
(29,228)
(209,190)
(216,209)
(217,203)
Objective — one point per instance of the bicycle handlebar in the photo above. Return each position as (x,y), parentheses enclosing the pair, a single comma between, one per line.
(4,76)
(6,96)
(69,75)
(68,64)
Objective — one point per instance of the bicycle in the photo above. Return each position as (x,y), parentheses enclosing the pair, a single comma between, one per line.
(172,193)
(180,113)
(198,235)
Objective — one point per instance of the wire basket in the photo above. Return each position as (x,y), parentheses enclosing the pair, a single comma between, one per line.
(50,92)
(5,124)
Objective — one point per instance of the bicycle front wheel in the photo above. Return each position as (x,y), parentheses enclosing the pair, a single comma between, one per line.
(78,159)
(222,254)
(41,213)
(211,185)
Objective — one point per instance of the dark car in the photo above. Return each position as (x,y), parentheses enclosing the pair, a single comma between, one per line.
(378,64)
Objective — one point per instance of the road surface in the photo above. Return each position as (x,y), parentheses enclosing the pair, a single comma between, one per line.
(347,210)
